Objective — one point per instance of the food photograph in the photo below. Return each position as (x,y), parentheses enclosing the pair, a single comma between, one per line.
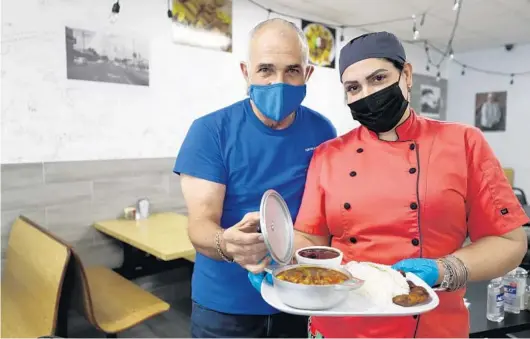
(322,43)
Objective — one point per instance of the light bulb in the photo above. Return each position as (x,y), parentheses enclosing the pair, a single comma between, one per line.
(115,11)
(113,17)
(416,34)
(456,5)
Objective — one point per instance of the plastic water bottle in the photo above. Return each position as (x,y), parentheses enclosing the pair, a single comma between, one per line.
(512,297)
(495,301)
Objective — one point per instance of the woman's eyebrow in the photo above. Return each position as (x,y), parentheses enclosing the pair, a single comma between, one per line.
(371,75)
(380,70)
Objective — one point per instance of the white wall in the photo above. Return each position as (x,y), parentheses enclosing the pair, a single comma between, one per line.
(46,117)
(512,147)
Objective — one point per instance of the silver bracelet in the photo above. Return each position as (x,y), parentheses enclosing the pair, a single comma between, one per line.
(456,273)
(218,247)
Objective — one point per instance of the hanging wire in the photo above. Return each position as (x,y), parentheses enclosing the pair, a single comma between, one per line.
(478,69)
(332,24)
(448,51)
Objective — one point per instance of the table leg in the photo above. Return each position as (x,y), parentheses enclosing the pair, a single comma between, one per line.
(137,263)
(132,258)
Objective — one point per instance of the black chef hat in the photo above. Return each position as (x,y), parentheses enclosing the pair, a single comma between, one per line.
(371,45)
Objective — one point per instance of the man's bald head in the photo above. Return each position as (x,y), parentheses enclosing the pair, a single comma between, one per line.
(277,53)
(277,30)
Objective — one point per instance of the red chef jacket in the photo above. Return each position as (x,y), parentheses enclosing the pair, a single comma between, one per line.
(417,197)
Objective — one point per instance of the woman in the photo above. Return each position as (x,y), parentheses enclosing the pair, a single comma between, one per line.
(406,191)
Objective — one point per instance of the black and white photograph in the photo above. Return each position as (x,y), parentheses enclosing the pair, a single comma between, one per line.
(429,96)
(430,99)
(490,111)
(96,56)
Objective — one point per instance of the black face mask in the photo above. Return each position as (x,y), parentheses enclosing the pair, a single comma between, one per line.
(382,110)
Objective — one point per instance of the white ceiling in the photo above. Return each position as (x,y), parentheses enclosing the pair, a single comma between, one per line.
(483,23)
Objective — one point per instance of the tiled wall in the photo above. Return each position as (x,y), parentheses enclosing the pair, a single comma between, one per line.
(68,197)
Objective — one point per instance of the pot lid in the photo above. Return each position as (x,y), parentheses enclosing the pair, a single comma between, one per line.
(277,227)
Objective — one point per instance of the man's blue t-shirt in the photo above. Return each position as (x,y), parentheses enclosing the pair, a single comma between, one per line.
(233,147)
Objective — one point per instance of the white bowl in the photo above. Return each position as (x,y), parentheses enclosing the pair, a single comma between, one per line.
(332,262)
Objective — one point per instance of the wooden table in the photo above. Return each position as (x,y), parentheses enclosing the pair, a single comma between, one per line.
(163,236)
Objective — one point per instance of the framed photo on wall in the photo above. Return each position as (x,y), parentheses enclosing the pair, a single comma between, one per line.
(203,23)
(490,111)
(429,96)
(99,56)
(321,40)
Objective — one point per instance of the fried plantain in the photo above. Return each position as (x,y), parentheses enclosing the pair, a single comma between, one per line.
(416,296)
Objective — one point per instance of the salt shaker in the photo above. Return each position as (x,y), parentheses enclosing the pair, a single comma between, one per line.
(142,209)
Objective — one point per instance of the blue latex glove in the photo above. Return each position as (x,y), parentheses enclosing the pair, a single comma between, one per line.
(256,279)
(426,269)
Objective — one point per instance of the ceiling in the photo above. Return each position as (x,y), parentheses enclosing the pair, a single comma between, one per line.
(482,24)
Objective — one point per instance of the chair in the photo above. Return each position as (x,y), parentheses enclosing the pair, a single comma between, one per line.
(509,172)
(110,302)
(32,281)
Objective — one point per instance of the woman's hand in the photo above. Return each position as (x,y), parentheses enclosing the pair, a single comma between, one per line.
(427,269)
(256,279)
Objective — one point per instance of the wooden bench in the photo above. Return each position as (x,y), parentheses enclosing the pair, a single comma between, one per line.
(32,282)
(110,302)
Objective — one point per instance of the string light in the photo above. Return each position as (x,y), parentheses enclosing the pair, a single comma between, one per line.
(115,11)
(169,11)
(448,52)
(438,75)
(415,32)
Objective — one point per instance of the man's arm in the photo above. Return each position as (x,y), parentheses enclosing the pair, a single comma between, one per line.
(204,200)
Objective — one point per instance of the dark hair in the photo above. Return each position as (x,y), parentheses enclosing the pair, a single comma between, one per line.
(398,65)
(427,91)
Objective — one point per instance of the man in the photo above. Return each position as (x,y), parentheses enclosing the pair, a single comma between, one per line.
(490,113)
(228,159)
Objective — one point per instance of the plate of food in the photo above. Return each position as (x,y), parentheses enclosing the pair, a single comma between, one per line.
(321,44)
(355,289)
(317,284)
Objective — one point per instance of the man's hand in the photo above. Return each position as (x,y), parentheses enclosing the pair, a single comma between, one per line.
(245,245)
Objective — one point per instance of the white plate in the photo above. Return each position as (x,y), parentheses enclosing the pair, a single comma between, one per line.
(356,305)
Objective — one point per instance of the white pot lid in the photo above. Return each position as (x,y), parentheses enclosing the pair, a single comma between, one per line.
(277,227)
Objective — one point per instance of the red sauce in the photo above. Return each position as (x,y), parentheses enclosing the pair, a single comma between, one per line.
(319,253)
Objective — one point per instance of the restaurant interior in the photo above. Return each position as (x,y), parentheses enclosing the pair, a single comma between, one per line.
(97,97)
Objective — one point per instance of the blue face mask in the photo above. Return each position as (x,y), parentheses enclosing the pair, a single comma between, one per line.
(277,101)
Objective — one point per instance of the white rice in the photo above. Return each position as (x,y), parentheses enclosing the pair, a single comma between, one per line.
(381,282)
